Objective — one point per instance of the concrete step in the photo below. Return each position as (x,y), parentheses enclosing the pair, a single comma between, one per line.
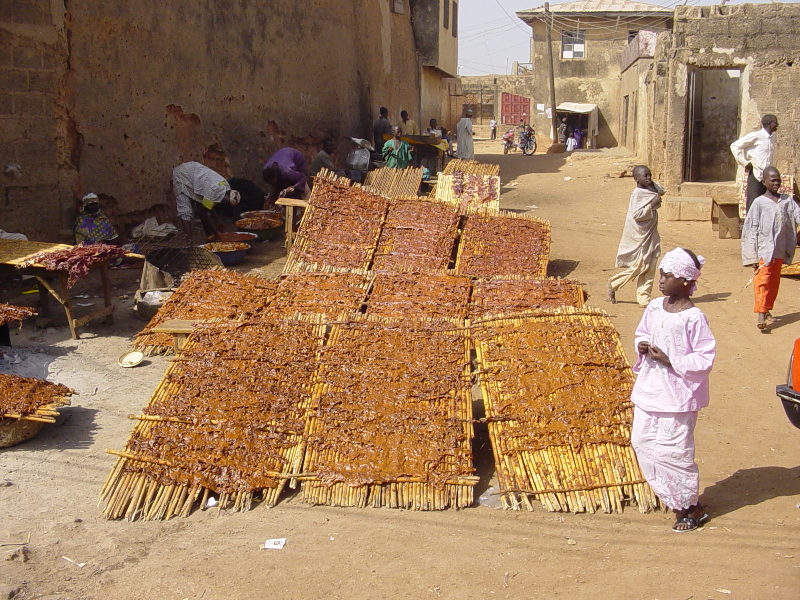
(718,190)
(686,208)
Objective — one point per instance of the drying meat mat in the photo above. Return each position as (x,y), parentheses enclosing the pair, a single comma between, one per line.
(393,183)
(227,419)
(556,386)
(11,312)
(322,290)
(390,419)
(506,295)
(28,399)
(419,295)
(340,227)
(499,244)
(205,295)
(417,234)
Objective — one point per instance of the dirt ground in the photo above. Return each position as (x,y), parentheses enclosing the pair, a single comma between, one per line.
(747,451)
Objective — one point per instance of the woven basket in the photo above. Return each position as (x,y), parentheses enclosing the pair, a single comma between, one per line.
(14,431)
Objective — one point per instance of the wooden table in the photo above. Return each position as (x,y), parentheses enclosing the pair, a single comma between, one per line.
(15,253)
(290,204)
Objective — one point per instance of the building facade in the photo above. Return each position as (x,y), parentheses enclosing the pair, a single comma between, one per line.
(588,39)
(109,96)
(713,77)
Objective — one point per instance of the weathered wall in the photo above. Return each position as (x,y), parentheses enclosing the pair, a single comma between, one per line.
(594,79)
(632,85)
(494,86)
(145,86)
(30,74)
(762,40)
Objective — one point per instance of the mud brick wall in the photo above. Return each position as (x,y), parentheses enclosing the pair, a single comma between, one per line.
(29,55)
(763,41)
(109,96)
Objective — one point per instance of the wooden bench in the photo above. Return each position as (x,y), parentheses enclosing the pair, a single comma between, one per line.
(725,218)
(179,329)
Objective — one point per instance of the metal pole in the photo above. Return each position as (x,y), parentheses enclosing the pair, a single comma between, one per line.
(548,21)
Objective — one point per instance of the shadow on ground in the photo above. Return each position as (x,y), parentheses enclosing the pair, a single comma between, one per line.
(749,487)
(561,267)
(74,429)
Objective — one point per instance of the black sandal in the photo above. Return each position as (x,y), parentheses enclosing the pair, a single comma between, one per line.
(694,523)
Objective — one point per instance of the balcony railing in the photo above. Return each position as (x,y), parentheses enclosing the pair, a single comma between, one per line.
(643,45)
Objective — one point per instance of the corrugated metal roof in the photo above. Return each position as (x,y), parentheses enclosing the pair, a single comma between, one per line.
(598,6)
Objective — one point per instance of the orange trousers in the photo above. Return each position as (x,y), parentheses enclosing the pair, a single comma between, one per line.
(766,282)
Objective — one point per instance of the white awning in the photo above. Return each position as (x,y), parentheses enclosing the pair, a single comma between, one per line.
(583,109)
(576,107)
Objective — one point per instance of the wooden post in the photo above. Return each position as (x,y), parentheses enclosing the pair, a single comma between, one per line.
(548,22)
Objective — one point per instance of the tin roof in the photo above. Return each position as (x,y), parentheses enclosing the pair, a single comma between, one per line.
(597,7)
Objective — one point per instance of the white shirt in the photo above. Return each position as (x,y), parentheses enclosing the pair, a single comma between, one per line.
(756,148)
(192,181)
(492,123)
(770,230)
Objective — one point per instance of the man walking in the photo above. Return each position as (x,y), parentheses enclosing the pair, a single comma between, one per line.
(755,152)
(465,149)
(640,245)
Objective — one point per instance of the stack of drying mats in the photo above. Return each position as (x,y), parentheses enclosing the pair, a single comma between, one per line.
(351,376)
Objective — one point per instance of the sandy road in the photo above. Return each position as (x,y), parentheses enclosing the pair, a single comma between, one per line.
(748,454)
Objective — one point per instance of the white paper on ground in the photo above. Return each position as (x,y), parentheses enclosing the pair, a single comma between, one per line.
(275,544)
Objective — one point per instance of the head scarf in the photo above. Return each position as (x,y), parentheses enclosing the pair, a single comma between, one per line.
(680,264)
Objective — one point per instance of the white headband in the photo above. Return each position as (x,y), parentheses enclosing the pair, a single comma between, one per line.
(680,264)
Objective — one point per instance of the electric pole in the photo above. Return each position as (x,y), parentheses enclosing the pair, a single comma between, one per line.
(548,21)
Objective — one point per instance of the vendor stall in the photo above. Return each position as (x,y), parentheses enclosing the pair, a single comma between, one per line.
(25,257)
(584,116)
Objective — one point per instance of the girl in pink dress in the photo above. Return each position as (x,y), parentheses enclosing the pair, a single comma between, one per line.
(676,352)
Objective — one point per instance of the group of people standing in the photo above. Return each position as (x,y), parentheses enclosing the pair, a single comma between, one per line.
(674,344)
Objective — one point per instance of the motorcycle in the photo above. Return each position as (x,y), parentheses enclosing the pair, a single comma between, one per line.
(508,141)
(527,141)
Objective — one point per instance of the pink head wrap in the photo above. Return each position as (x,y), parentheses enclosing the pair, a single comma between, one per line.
(680,264)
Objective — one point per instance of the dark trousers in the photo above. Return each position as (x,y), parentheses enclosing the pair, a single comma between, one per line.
(494,133)
(754,189)
(5,336)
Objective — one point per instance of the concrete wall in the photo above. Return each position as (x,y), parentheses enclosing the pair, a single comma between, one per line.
(494,86)
(110,96)
(762,41)
(594,79)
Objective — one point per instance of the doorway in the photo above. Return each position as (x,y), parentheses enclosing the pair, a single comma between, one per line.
(712,124)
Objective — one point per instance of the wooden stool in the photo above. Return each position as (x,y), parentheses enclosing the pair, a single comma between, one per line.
(290,204)
(727,213)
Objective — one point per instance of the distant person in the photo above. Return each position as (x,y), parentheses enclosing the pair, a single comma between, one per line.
(324,158)
(755,152)
(286,172)
(408,125)
(562,131)
(640,245)
(492,129)
(381,127)
(197,190)
(769,238)
(577,133)
(676,351)
(571,142)
(396,152)
(465,149)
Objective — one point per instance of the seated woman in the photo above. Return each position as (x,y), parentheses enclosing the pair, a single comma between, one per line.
(92,226)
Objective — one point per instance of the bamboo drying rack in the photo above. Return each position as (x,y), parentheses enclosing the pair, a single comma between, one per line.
(415,492)
(305,243)
(572,294)
(393,183)
(136,494)
(473,244)
(562,477)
